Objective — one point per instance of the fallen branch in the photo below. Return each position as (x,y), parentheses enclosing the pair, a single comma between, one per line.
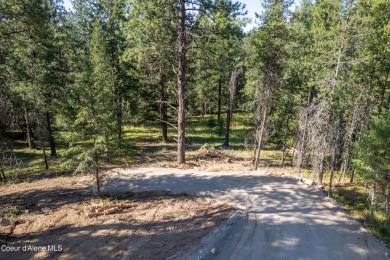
(96,210)
(204,161)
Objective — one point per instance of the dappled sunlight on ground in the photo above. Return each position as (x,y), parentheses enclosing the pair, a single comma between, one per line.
(56,212)
(284,218)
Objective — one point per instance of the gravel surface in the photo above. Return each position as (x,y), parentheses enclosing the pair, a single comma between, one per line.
(281,218)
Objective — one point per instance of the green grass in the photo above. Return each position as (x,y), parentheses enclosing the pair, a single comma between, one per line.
(11,211)
(200,130)
(354,198)
(30,162)
(144,140)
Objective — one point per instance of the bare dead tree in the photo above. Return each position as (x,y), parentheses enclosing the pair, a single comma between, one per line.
(230,101)
(29,133)
(335,155)
(350,131)
(219,100)
(319,132)
(264,101)
(319,129)
(181,82)
(163,108)
(286,131)
(304,117)
(8,159)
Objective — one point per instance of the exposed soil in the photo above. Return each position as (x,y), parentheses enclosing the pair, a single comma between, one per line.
(53,215)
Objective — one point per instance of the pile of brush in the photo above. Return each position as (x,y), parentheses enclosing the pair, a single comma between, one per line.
(100,209)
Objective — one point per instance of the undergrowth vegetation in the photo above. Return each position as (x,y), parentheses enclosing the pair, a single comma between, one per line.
(203,136)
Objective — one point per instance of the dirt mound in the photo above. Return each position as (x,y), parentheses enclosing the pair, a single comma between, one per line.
(129,225)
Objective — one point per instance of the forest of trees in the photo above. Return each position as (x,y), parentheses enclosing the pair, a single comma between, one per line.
(315,78)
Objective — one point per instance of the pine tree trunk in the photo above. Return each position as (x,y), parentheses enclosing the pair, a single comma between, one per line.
(181,83)
(255,144)
(259,142)
(28,129)
(228,118)
(292,157)
(303,142)
(382,95)
(285,137)
(344,166)
(348,139)
(52,144)
(97,174)
(335,149)
(44,155)
(229,103)
(301,150)
(119,120)
(2,173)
(387,202)
(163,110)
(322,159)
(219,100)
(352,176)
(343,169)
(372,202)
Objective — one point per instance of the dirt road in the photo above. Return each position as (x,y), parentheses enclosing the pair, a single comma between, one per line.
(280,218)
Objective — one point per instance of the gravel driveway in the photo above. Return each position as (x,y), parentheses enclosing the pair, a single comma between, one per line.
(279,218)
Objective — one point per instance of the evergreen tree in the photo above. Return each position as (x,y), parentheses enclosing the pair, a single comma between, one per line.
(267,58)
(373,154)
(150,37)
(91,130)
(33,63)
